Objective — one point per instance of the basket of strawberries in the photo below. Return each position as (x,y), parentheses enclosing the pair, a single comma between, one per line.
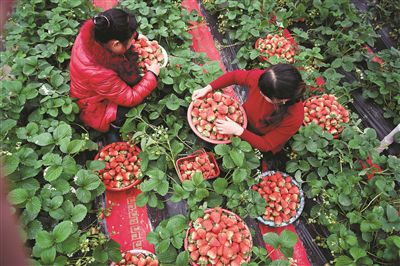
(284,197)
(220,237)
(275,45)
(203,112)
(139,257)
(199,161)
(150,51)
(122,170)
(326,112)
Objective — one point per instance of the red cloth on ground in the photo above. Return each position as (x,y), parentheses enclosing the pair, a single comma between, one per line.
(99,80)
(264,138)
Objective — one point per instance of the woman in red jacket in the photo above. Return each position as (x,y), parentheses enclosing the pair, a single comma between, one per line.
(274,106)
(104,74)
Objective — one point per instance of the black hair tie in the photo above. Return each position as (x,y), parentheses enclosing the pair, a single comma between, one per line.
(99,22)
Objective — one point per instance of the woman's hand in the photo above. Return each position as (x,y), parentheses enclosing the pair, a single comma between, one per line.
(201,92)
(229,127)
(154,67)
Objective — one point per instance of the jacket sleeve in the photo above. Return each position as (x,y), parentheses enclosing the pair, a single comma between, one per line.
(236,77)
(111,86)
(275,138)
(271,141)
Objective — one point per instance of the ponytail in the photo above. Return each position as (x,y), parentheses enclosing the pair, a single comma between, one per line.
(114,24)
(282,81)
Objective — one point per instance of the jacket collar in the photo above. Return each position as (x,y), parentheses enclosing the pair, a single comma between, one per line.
(94,49)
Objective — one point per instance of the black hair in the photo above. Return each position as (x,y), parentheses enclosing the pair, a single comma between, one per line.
(114,24)
(281,81)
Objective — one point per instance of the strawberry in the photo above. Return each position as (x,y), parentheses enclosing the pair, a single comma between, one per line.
(237,237)
(202,233)
(294,190)
(212,253)
(217,96)
(223,109)
(215,217)
(227,101)
(192,247)
(195,255)
(278,220)
(228,252)
(292,205)
(204,249)
(214,242)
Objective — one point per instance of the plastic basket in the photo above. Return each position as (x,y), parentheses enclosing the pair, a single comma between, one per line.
(192,157)
(307,123)
(213,141)
(186,241)
(133,184)
(299,210)
(137,252)
(287,36)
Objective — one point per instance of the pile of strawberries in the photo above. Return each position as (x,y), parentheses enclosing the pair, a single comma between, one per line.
(219,238)
(122,165)
(201,162)
(326,112)
(139,259)
(282,197)
(276,45)
(148,52)
(215,106)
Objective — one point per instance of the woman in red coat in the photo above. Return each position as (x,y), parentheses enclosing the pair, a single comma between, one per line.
(104,74)
(274,106)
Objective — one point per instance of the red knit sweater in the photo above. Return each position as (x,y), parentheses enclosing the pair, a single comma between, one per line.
(264,138)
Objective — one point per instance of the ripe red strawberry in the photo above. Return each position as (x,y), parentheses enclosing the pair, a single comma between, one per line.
(294,190)
(202,233)
(227,101)
(292,205)
(195,255)
(204,249)
(192,247)
(237,237)
(217,96)
(278,220)
(215,216)
(223,109)
(212,253)
(214,242)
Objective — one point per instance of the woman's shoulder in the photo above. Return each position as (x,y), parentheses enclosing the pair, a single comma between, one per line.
(87,49)
(295,113)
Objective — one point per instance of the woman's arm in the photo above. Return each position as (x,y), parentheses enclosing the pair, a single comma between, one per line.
(236,77)
(112,87)
(271,140)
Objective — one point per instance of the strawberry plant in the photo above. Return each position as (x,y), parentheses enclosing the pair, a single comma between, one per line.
(360,215)
(42,144)
(381,83)
(385,15)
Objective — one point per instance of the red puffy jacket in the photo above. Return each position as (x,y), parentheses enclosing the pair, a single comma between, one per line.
(99,80)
